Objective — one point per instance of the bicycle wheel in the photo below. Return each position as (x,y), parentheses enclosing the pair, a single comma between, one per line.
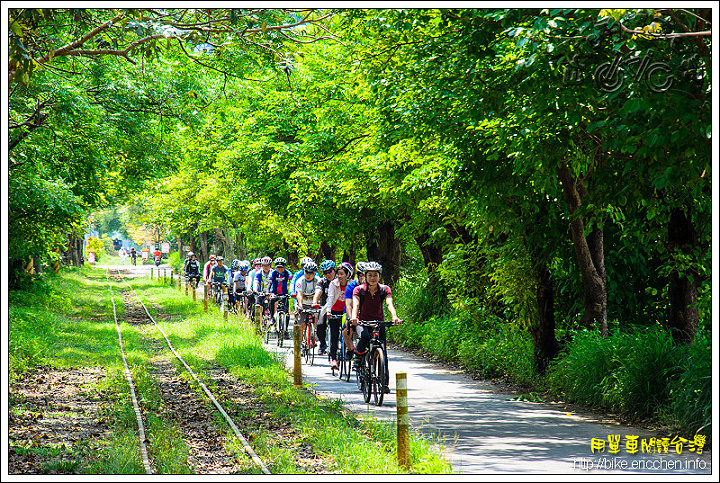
(341,358)
(306,342)
(312,346)
(347,363)
(378,376)
(266,328)
(279,330)
(366,375)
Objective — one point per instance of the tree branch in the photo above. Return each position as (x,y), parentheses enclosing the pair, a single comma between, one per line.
(340,150)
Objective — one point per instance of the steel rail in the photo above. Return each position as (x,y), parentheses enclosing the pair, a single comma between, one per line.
(128,376)
(231,423)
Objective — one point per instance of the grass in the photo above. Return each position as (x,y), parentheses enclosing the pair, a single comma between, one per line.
(68,322)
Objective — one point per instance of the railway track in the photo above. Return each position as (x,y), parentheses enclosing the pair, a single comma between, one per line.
(180,400)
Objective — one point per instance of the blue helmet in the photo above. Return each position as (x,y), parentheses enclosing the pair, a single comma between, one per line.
(327,265)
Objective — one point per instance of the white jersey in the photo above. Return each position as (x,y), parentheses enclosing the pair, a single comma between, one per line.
(307,289)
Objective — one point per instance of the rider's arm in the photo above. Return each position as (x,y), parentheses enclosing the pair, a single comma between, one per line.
(391,308)
(318,294)
(331,297)
(256,282)
(355,307)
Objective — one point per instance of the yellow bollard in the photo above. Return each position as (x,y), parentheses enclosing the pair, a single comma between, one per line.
(403,422)
(194,289)
(171,278)
(297,366)
(205,296)
(186,287)
(179,283)
(151,273)
(258,319)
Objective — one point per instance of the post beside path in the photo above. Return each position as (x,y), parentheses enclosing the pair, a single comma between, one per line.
(297,367)
(403,421)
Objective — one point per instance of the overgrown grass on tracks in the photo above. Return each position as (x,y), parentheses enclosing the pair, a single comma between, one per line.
(68,322)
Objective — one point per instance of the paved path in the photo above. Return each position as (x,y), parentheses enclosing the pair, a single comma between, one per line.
(487,433)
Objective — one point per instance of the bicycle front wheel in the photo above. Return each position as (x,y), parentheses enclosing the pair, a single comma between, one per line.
(280,329)
(366,372)
(378,376)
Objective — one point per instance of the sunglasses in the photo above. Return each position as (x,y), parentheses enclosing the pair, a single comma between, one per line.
(328,271)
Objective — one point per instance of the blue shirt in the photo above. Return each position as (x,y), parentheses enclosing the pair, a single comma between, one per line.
(279,283)
(349,289)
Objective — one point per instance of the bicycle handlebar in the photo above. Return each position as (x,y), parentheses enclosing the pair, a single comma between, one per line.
(377,323)
(308,311)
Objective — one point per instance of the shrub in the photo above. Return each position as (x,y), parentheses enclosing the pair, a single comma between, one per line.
(175,262)
(690,398)
(629,372)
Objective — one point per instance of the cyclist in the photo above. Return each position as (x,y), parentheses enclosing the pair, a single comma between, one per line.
(335,305)
(212,261)
(328,270)
(133,255)
(305,292)
(192,269)
(295,278)
(234,269)
(218,273)
(348,328)
(279,279)
(261,284)
(250,281)
(238,281)
(367,305)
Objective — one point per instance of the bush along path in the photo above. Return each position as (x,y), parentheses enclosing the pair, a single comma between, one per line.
(70,409)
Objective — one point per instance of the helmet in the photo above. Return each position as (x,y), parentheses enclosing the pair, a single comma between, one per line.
(213,257)
(373,267)
(310,267)
(327,265)
(280,261)
(305,260)
(347,266)
(219,257)
(244,266)
(256,261)
(266,260)
(235,264)
(191,254)
(361,267)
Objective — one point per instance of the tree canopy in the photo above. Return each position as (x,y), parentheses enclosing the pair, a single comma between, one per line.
(545,165)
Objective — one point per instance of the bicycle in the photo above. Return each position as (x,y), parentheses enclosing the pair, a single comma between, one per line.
(282,318)
(262,299)
(217,292)
(373,370)
(307,345)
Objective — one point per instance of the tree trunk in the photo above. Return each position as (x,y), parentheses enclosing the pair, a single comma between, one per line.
(350,256)
(431,252)
(384,247)
(292,255)
(588,252)
(203,249)
(73,253)
(546,346)
(683,317)
(327,251)
(240,248)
